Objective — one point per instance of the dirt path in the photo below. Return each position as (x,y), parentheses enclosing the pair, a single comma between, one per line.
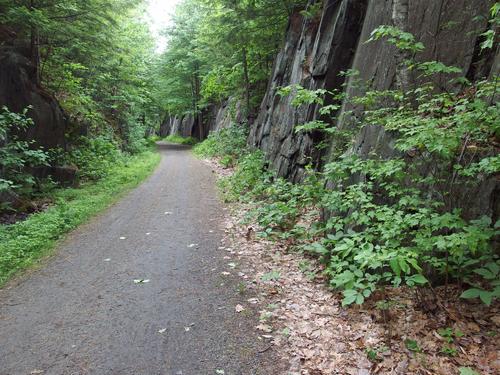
(82,313)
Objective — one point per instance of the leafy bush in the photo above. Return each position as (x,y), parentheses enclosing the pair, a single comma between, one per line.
(17,156)
(229,144)
(249,176)
(394,221)
(383,232)
(94,157)
(135,140)
(390,221)
(181,140)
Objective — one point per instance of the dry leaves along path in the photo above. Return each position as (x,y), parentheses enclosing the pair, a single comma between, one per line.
(138,290)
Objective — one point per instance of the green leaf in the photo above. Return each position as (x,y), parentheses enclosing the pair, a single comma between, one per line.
(360,299)
(271,276)
(470,293)
(486,297)
(395,266)
(404,266)
(350,296)
(493,267)
(416,279)
(467,371)
(317,248)
(412,345)
(487,274)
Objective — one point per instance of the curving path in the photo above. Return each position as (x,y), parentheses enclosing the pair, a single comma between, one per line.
(82,313)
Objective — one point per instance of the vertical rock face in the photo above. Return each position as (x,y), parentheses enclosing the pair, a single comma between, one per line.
(450,33)
(165,126)
(317,49)
(186,126)
(18,90)
(227,113)
(177,125)
(212,118)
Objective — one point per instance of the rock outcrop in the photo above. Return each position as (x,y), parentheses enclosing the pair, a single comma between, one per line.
(317,49)
(212,118)
(227,113)
(177,125)
(450,31)
(18,90)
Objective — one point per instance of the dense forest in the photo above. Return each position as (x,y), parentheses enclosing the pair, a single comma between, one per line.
(362,135)
(82,72)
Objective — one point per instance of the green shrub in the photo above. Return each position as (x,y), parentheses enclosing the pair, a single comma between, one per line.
(135,141)
(388,221)
(17,156)
(395,221)
(181,140)
(94,157)
(250,175)
(228,144)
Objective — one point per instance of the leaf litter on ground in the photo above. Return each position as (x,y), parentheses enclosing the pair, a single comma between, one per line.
(320,337)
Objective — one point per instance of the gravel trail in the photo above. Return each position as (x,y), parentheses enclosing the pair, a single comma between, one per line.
(82,313)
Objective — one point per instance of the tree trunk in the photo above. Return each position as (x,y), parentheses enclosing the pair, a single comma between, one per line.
(196,94)
(247,82)
(35,47)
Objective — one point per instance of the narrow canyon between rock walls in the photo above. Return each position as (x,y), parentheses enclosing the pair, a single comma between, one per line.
(138,290)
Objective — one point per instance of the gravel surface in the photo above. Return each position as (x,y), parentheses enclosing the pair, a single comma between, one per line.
(82,312)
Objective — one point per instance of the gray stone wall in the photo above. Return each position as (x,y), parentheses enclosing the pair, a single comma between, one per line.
(316,49)
(18,90)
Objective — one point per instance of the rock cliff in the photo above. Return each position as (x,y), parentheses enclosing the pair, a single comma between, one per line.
(317,48)
(18,90)
(212,118)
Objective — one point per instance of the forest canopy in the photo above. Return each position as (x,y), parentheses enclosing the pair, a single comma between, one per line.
(102,78)
(218,49)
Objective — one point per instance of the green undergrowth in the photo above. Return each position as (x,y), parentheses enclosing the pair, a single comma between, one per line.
(23,243)
(384,221)
(180,140)
(228,145)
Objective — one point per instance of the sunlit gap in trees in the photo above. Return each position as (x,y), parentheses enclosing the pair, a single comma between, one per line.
(159,17)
